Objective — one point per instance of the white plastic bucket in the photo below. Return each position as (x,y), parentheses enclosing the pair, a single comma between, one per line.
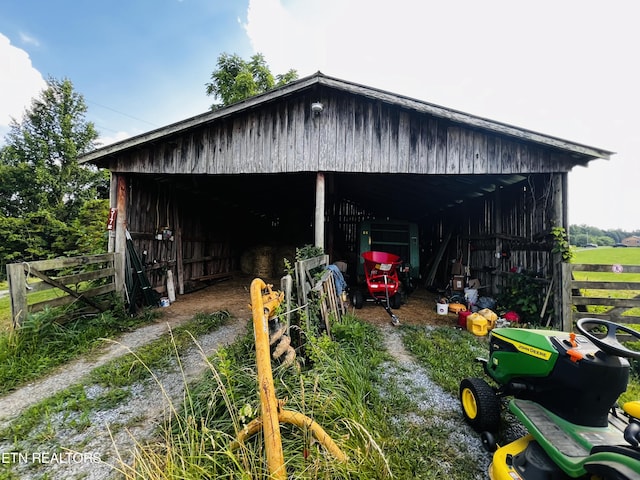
(442,308)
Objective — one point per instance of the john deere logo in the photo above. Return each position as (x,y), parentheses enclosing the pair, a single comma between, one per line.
(527,349)
(534,352)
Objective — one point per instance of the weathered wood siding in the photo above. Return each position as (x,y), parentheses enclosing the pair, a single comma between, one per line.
(513,222)
(351,134)
(201,242)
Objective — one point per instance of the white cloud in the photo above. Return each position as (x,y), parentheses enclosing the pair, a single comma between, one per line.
(563,69)
(19,82)
(103,141)
(290,38)
(29,40)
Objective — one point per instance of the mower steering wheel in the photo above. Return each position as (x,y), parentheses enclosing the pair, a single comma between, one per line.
(609,343)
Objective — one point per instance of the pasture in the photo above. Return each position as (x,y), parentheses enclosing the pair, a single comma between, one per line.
(608,256)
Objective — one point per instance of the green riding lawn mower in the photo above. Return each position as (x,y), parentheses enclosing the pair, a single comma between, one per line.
(564,388)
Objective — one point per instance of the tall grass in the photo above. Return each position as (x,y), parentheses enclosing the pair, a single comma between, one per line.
(60,422)
(6,323)
(332,386)
(339,384)
(41,343)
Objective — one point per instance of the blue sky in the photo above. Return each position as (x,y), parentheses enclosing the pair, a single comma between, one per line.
(139,64)
(563,68)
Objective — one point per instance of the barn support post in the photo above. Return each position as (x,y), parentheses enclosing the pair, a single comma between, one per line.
(178,246)
(113,203)
(561,304)
(120,239)
(319,217)
(565,297)
(497,216)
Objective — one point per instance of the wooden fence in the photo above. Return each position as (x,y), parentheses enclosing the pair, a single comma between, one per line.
(608,295)
(309,287)
(76,279)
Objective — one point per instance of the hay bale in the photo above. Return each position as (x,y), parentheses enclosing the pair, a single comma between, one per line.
(247,261)
(257,261)
(263,261)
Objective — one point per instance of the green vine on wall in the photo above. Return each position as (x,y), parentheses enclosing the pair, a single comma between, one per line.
(561,243)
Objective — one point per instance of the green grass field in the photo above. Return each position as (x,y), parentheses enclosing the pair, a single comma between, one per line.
(5,304)
(5,309)
(607,256)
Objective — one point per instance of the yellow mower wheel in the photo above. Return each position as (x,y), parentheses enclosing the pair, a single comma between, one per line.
(469,405)
(480,405)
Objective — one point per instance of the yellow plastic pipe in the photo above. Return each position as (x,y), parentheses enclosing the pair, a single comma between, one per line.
(302,421)
(299,420)
(268,401)
(272,410)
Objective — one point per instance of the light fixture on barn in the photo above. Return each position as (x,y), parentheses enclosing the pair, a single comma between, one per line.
(317,108)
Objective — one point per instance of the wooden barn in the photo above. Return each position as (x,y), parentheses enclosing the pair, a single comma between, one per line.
(327,162)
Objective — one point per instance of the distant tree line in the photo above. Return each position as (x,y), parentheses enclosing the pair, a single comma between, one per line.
(580,235)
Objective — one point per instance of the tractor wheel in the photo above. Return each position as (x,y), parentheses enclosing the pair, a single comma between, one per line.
(396,301)
(480,405)
(358,299)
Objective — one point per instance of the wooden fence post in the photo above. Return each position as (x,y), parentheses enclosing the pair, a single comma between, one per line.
(564,287)
(17,292)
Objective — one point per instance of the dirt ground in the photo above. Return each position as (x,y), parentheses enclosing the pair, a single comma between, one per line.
(233,295)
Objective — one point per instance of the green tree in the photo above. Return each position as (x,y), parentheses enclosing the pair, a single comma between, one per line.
(49,204)
(89,230)
(236,79)
(39,163)
(34,236)
(580,239)
(604,240)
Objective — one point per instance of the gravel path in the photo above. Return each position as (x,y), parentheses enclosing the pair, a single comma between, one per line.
(444,409)
(14,403)
(92,452)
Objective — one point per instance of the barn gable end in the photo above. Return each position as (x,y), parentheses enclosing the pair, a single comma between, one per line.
(246,176)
